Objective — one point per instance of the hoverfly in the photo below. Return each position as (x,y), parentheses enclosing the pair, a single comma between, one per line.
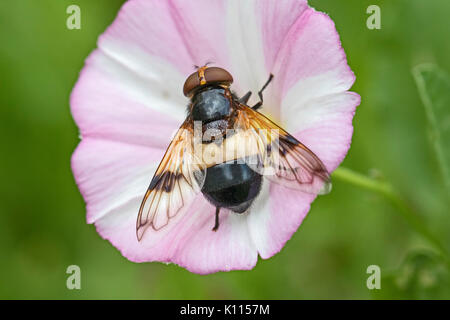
(234,182)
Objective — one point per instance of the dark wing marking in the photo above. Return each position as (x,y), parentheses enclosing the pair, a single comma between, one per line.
(179,177)
(281,158)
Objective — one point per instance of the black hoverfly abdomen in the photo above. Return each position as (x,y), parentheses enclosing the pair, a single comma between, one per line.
(232,185)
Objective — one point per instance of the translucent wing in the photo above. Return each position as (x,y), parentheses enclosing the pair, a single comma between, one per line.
(179,177)
(280,157)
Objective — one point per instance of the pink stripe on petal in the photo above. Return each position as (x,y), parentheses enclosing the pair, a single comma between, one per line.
(229,248)
(183,33)
(275,218)
(289,208)
(201,25)
(276,18)
(310,48)
(149,25)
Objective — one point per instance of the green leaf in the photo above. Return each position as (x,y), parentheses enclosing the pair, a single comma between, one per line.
(434,88)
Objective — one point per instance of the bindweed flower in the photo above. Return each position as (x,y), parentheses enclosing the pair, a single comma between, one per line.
(128,102)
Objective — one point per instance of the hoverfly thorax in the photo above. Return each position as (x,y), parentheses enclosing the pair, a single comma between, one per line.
(211,100)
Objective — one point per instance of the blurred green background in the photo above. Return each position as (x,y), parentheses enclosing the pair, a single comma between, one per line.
(42,215)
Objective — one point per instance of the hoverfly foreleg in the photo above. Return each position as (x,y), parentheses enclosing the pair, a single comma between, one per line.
(260,94)
(244,98)
(216,224)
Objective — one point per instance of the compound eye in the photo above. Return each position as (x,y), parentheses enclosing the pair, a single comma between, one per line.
(191,83)
(205,76)
(218,75)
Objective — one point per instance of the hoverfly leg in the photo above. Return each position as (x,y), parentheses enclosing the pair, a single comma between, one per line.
(260,94)
(257,106)
(216,224)
(244,99)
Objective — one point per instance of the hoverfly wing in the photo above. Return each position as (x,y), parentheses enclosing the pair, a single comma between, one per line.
(280,157)
(179,177)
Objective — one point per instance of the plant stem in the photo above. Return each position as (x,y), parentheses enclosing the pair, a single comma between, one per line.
(394,197)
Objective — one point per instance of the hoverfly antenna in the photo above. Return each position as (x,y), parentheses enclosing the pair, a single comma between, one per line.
(205,65)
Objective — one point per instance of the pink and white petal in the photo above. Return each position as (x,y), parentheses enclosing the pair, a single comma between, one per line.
(119,227)
(311,62)
(106,104)
(180,32)
(274,219)
(148,27)
(202,27)
(297,44)
(276,19)
(229,248)
(128,102)
(327,123)
(187,240)
(110,174)
(326,126)
(132,67)
(245,47)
